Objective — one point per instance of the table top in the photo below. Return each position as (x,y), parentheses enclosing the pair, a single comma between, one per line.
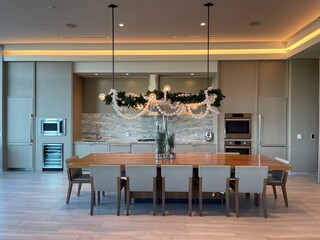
(194,159)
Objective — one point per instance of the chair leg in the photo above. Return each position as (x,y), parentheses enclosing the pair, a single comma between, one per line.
(236,196)
(190,196)
(274,191)
(285,197)
(69,193)
(227,196)
(163,196)
(118,195)
(264,198)
(79,189)
(92,202)
(256,199)
(200,196)
(98,193)
(154,196)
(127,197)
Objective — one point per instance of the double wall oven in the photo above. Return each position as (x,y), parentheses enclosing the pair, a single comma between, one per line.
(238,133)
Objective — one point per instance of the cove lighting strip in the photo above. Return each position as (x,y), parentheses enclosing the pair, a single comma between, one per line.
(303,40)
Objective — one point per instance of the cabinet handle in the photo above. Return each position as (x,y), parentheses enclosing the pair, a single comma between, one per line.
(31,128)
(259,129)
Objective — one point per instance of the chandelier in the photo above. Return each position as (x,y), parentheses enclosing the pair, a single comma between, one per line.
(163,102)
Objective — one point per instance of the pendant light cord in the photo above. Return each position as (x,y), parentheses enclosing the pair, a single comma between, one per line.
(208,41)
(112,6)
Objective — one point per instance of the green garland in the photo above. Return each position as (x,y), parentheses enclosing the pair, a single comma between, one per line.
(133,102)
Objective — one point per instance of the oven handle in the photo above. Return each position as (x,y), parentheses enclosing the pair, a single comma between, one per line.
(259,129)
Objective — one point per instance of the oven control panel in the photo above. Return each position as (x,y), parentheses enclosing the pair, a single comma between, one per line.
(237,143)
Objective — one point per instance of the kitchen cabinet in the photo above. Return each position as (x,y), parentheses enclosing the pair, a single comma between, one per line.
(142,147)
(209,148)
(84,148)
(115,147)
(272,109)
(184,148)
(20,115)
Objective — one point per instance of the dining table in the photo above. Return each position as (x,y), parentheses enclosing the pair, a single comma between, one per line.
(194,159)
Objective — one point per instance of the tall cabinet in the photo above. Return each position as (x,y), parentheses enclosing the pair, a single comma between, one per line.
(272,108)
(20,115)
(259,88)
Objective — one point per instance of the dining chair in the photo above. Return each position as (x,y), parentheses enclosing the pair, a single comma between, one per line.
(176,178)
(141,178)
(106,178)
(75,175)
(214,179)
(251,179)
(279,178)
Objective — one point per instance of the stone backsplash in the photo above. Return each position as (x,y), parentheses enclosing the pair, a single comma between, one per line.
(110,126)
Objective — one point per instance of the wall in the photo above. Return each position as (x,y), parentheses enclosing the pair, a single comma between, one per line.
(77,105)
(304,114)
(2,114)
(114,128)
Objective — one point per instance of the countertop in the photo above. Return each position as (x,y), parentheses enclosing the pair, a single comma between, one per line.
(132,141)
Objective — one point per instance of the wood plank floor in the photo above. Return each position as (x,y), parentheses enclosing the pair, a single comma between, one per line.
(32,206)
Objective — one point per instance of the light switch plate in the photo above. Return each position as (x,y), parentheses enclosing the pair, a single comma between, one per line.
(299,136)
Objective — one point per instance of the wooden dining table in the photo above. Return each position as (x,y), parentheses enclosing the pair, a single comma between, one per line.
(194,159)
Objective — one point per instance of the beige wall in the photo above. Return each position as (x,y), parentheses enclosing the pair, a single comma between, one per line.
(77,106)
(304,114)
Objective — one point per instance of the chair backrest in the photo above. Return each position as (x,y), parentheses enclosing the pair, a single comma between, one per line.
(214,178)
(285,161)
(141,177)
(279,174)
(105,177)
(176,177)
(73,172)
(251,178)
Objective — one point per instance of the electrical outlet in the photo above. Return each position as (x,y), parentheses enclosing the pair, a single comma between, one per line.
(299,136)
(127,134)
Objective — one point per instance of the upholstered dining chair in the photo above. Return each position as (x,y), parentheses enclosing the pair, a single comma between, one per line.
(176,178)
(75,175)
(106,178)
(251,179)
(279,178)
(214,179)
(141,178)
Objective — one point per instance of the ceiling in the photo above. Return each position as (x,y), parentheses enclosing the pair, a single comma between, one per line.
(155,21)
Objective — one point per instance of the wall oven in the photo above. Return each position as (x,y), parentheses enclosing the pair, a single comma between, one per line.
(242,147)
(238,125)
(52,126)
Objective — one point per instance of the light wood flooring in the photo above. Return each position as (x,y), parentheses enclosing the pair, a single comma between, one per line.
(32,206)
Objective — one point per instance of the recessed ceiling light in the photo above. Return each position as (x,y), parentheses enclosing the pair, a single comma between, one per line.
(254,23)
(71,25)
(127,74)
(96,74)
(121,25)
(203,24)
(191,74)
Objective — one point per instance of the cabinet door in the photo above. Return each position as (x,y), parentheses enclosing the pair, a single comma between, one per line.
(20,119)
(210,148)
(126,148)
(82,149)
(184,148)
(272,121)
(100,148)
(19,155)
(273,152)
(140,148)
